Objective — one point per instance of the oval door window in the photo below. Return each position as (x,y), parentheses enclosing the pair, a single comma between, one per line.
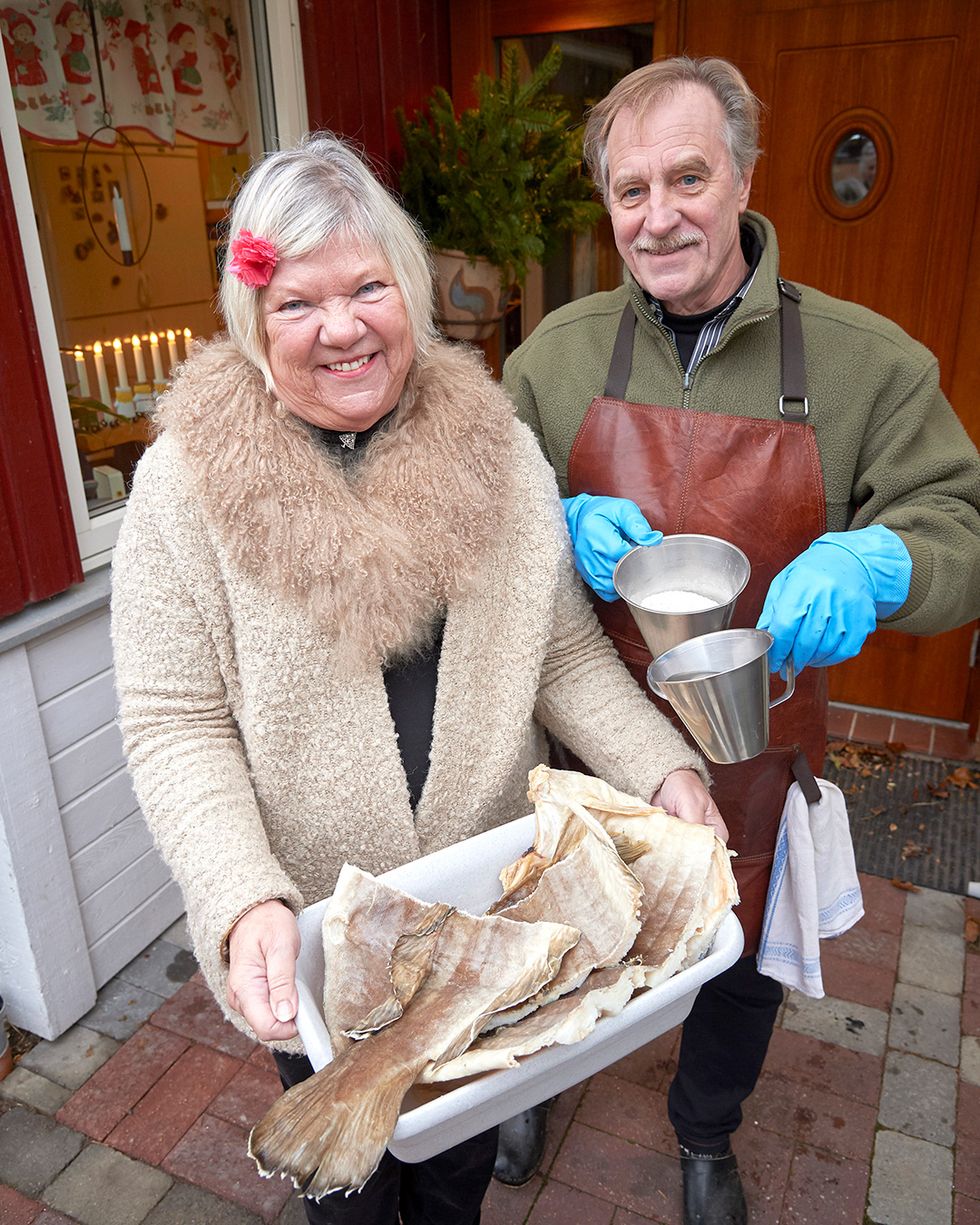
(854,167)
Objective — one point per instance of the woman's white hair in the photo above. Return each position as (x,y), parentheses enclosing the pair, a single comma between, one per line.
(300,198)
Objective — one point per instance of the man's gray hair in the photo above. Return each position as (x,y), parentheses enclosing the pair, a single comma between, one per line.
(300,198)
(648,85)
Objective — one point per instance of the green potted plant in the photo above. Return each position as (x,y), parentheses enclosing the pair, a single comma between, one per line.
(494,188)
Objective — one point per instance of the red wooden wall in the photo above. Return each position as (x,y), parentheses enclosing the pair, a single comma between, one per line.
(363,60)
(38,548)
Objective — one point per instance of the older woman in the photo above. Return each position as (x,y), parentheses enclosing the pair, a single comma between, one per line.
(344,611)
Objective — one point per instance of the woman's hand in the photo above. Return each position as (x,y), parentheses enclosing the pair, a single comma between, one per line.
(685,795)
(262,948)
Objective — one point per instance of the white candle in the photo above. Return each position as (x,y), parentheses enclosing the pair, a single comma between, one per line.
(187,341)
(122,374)
(138,360)
(81,371)
(122,226)
(155,355)
(100,374)
(172,348)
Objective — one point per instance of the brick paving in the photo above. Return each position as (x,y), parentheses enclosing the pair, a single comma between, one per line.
(867,1110)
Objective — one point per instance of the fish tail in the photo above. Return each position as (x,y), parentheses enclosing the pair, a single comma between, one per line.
(329,1133)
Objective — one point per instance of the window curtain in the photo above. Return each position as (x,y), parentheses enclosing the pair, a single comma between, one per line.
(167,66)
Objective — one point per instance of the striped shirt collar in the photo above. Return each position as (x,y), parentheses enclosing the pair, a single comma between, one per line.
(714,321)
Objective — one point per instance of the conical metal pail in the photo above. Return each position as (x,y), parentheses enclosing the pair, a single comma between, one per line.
(719,686)
(684,586)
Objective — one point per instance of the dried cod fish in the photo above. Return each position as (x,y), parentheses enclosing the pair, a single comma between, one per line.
(572,874)
(569,1019)
(362,981)
(329,1132)
(688,885)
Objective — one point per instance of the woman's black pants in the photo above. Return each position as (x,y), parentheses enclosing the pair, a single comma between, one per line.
(445,1190)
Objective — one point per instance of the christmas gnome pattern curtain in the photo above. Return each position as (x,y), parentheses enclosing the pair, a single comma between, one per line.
(167,66)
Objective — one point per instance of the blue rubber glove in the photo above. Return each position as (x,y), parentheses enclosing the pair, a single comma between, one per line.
(824,604)
(603,530)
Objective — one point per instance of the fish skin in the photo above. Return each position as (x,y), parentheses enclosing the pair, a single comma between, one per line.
(591,880)
(329,1132)
(566,1020)
(683,906)
(409,966)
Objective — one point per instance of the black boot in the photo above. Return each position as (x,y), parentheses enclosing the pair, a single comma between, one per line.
(712,1189)
(521,1146)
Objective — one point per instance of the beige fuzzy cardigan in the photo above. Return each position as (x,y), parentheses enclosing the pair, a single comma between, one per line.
(257,589)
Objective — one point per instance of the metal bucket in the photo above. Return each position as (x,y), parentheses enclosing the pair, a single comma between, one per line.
(681,570)
(719,686)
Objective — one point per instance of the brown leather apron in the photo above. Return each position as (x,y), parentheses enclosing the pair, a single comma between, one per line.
(757,483)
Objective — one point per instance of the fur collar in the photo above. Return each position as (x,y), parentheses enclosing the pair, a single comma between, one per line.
(373,554)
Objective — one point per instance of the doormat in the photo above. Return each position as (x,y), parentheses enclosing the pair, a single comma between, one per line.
(913,819)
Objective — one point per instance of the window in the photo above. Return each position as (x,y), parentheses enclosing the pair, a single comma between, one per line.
(125,127)
(593,60)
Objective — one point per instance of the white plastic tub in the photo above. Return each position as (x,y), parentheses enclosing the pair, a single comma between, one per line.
(466,875)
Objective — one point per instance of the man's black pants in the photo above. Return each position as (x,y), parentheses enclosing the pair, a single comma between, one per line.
(723,1046)
(445,1190)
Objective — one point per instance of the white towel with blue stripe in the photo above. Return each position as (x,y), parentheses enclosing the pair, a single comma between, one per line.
(814,893)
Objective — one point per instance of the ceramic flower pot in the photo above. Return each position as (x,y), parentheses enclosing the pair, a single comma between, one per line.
(471,295)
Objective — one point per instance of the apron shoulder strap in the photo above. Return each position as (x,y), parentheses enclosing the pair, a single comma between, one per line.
(622,356)
(793,403)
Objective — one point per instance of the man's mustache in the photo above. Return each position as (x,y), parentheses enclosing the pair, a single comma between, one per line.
(663,246)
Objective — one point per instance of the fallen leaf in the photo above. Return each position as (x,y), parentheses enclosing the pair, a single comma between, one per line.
(913,850)
(892,827)
(905,884)
(971,932)
(876,812)
(895,747)
(963,777)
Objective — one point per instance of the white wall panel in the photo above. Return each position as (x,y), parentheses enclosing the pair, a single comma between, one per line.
(110,855)
(75,713)
(97,810)
(71,656)
(127,939)
(87,762)
(110,905)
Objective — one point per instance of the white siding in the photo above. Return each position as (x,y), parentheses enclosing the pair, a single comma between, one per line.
(82,888)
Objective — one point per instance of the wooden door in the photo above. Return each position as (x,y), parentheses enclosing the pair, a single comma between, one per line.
(907,71)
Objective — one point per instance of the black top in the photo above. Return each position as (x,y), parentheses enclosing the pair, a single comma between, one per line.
(411,687)
(411,682)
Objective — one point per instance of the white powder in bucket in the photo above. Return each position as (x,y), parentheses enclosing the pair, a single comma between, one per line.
(678,602)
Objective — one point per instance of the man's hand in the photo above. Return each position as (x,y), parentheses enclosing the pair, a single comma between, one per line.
(263,947)
(825,603)
(684,795)
(603,530)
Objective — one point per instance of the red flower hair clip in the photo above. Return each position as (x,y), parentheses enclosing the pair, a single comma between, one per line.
(253,260)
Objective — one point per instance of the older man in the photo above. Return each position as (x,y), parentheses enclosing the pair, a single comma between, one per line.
(708,395)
